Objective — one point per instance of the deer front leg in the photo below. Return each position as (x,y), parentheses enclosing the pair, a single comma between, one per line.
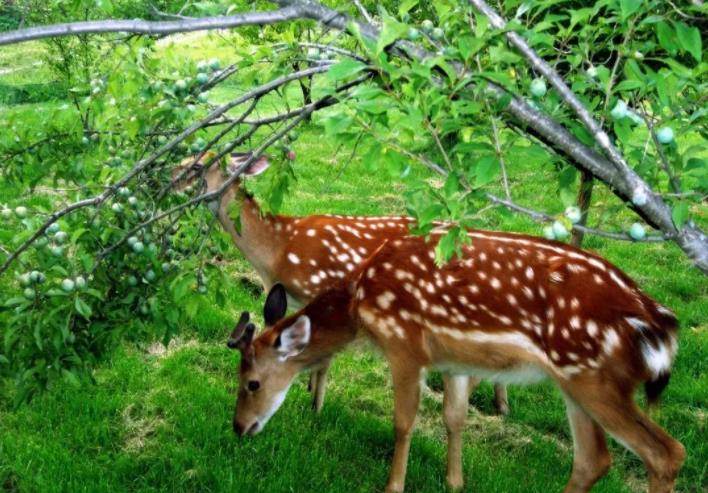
(455,403)
(406,397)
(318,388)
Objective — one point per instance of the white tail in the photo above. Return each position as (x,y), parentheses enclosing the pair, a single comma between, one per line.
(513,308)
(307,255)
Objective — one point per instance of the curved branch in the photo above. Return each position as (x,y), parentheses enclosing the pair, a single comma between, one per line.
(151,27)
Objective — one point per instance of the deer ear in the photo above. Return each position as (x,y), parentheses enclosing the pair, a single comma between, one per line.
(293,340)
(276,304)
(258,166)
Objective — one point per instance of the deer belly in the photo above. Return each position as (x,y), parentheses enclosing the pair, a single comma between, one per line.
(504,357)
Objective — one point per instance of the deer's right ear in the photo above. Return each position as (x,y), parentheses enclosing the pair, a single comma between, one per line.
(276,304)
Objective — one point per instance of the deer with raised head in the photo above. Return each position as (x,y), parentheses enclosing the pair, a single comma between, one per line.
(512,308)
(305,254)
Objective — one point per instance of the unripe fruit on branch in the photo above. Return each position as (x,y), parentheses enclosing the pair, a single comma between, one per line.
(538,87)
(150,275)
(665,135)
(132,280)
(559,230)
(202,78)
(67,285)
(181,85)
(24,279)
(53,228)
(138,247)
(61,237)
(637,232)
(21,211)
(620,110)
(133,201)
(117,208)
(290,155)
(573,214)
(6,213)
(80,282)
(124,191)
(214,64)
(413,34)
(437,34)
(29,293)
(548,232)
(427,25)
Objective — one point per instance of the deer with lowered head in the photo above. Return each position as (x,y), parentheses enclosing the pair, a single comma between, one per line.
(305,254)
(512,308)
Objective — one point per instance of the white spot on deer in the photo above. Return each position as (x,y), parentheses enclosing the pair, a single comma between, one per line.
(429,287)
(554,355)
(368,236)
(500,250)
(596,263)
(611,341)
(657,359)
(619,281)
(371,272)
(529,273)
(515,282)
(575,322)
(360,293)
(342,257)
(350,267)
(556,277)
(447,299)
(474,289)
(511,299)
(518,263)
(576,268)
(542,292)
(574,303)
(293,258)
(495,283)
(528,292)
(315,279)
(405,315)
(523,252)
(401,275)
(482,257)
(462,299)
(561,302)
(504,319)
(450,280)
(565,333)
(496,265)
(322,274)
(311,232)
(438,310)
(362,250)
(387,265)
(591,328)
(313,262)
(385,299)
(587,345)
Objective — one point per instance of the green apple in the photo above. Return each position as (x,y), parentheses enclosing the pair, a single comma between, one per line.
(133,201)
(413,34)
(21,211)
(53,228)
(620,110)
(538,87)
(664,135)
(559,230)
(57,250)
(214,64)
(29,293)
(150,275)
(132,280)
(637,232)
(61,237)
(80,282)
(6,213)
(548,233)
(25,279)
(427,25)
(117,208)
(67,285)
(132,240)
(138,247)
(437,34)
(573,214)
(202,78)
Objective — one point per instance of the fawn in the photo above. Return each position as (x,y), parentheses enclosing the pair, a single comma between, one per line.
(512,308)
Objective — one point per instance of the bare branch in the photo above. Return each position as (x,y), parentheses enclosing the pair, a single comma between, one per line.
(151,27)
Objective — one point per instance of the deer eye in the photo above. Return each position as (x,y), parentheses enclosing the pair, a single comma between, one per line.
(253,385)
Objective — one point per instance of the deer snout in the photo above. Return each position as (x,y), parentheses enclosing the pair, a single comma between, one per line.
(246,430)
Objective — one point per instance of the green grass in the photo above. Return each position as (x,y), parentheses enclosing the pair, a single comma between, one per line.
(160,420)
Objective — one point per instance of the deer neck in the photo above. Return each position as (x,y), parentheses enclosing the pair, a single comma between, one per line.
(255,234)
(333,328)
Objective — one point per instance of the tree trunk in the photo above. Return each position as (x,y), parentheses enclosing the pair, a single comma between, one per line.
(584,197)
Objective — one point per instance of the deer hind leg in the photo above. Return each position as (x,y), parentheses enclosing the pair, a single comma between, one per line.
(455,403)
(501,399)
(591,459)
(617,413)
(406,397)
(319,386)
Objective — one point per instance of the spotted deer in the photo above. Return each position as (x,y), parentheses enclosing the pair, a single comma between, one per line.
(511,308)
(305,254)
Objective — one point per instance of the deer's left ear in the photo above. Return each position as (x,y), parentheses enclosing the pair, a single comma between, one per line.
(258,166)
(293,340)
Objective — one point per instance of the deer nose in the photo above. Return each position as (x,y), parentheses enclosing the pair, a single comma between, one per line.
(238,428)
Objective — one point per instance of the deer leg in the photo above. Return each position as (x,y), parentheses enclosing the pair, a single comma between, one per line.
(501,400)
(455,402)
(320,385)
(617,413)
(591,459)
(406,396)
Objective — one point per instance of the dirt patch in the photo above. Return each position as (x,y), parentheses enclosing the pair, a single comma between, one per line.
(159,350)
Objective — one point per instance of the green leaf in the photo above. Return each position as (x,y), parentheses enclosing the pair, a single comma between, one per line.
(667,37)
(392,31)
(690,39)
(629,7)
(83,308)
(345,68)
(679,214)
(70,377)
(406,5)
(337,124)
(486,169)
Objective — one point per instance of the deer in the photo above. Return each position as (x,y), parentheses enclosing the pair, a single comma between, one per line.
(510,308)
(305,254)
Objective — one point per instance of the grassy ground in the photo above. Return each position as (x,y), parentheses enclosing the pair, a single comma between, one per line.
(159,419)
